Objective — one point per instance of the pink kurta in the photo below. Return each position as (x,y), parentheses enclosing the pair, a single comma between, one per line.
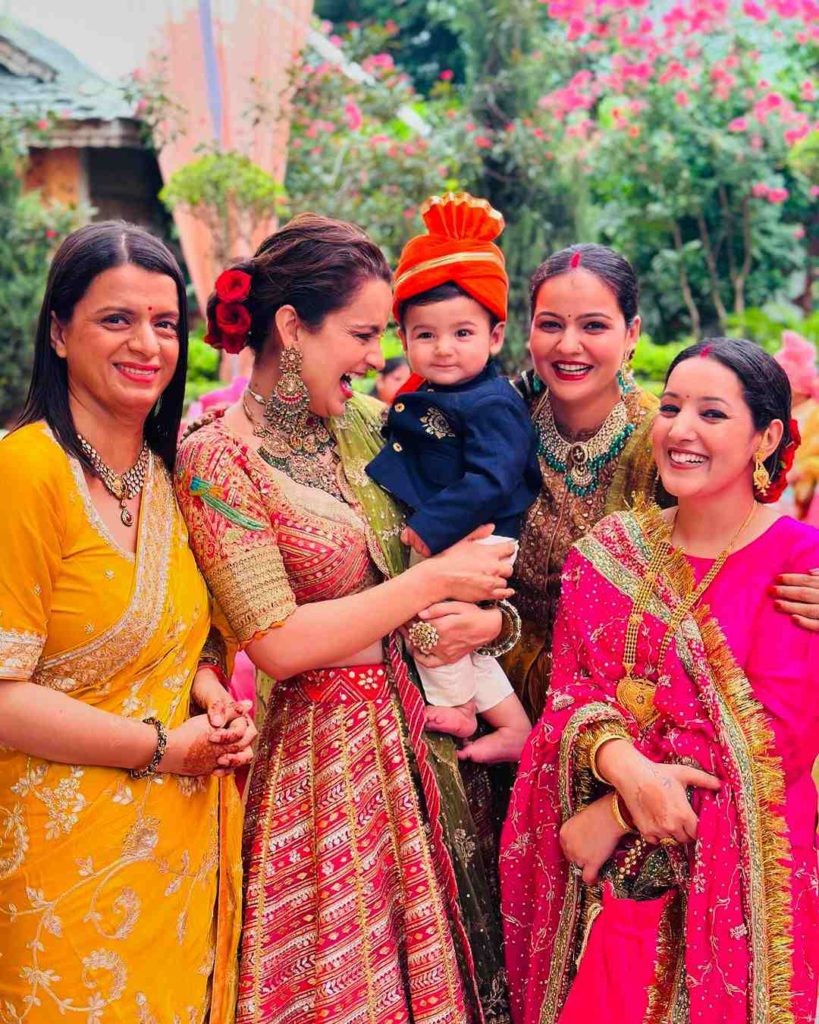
(781,661)
(741,701)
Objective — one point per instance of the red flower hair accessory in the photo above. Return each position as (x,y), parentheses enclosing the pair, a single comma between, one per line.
(777,487)
(233,286)
(229,323)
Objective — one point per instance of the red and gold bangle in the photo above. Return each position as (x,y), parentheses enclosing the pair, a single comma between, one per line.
(619,816)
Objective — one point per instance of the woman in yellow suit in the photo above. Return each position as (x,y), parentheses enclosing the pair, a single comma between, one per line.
(118,865)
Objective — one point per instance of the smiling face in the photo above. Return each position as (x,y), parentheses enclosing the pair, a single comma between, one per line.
(704,437)
(450,342)
(579,338)
(346,345)
(121,343)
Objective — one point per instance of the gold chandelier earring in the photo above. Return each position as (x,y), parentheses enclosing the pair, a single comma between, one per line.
(287,407)
(762,478)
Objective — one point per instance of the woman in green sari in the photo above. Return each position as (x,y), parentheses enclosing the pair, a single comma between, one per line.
(368,896)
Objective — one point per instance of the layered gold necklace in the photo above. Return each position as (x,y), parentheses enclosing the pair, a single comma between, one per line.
(311,459)
(581,462)
(123,486)
(636,693)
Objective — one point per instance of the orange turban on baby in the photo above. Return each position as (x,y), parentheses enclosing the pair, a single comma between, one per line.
(458,248)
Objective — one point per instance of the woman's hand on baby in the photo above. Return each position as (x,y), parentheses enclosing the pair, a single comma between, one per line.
(462,627)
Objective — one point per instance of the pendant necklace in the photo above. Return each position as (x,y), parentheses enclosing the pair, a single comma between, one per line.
(580,462)
(311,460)
(123,486)
(636,693)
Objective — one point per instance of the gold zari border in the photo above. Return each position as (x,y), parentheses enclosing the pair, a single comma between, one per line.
(748,738)
(445,261)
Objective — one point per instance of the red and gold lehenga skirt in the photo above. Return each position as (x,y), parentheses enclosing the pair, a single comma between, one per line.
(347,917)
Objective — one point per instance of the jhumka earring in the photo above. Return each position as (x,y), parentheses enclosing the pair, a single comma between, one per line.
(287,407)
(762,478)
(625,378)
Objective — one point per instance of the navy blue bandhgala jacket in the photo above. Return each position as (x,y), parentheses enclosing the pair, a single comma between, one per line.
(460,456)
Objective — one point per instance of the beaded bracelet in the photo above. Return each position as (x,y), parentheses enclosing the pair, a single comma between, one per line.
(503,646)
(161,743)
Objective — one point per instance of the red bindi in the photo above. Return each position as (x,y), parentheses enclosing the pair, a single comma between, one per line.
(706,352)
(574,262)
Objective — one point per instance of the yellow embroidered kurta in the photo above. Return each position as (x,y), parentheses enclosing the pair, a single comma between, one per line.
(111,889)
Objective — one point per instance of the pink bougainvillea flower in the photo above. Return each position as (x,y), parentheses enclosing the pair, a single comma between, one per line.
(793,135)
(353,116)
(447,75)
(739,124)
(42,125)
(681,98)
(483,142)
(759,191)
(753,10)
(798,232)
(577,27)
(777,195)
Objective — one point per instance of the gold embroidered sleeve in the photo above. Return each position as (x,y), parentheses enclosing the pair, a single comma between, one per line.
(33,517)
(234,539)
(591,739)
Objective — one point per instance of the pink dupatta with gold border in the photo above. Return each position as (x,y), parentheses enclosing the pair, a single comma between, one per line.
(727,954)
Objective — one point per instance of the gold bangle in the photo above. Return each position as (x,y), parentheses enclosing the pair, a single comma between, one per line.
(598,743)
(511,619)
(618,814)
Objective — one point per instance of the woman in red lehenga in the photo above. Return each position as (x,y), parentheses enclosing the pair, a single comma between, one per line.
(659,860)
(367,892)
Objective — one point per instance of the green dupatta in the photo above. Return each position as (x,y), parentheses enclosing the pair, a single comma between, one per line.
(471,842)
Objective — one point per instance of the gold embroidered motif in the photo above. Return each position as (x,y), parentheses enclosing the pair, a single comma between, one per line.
(19,653)
(436,424)
(13,839)
(121,644)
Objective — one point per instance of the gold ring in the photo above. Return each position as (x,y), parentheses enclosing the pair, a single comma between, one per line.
(669,841)
(424,637)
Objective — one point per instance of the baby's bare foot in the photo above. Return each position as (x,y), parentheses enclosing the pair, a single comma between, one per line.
(504,744)
(459,721)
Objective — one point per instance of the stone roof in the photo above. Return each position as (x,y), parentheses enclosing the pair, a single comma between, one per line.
(39,78)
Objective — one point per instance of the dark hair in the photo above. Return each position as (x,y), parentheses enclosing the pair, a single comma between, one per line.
(391,365)
(84,255)
(765,385)
(314,264)
(441,293)
(609,266)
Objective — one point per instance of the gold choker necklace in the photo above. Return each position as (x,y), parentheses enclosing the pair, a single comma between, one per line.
(123,486)
(581,462)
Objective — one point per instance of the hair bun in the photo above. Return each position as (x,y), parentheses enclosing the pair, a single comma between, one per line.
(460,215)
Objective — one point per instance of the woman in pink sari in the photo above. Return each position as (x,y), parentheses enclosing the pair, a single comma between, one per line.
(659,857)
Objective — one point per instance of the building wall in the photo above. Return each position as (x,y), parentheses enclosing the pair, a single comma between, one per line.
(119,183)
(60,174)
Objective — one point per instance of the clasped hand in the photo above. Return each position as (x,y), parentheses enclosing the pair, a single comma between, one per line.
(216,742)
(656,796)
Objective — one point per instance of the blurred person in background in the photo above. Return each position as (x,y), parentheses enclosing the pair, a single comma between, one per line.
(387,381)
